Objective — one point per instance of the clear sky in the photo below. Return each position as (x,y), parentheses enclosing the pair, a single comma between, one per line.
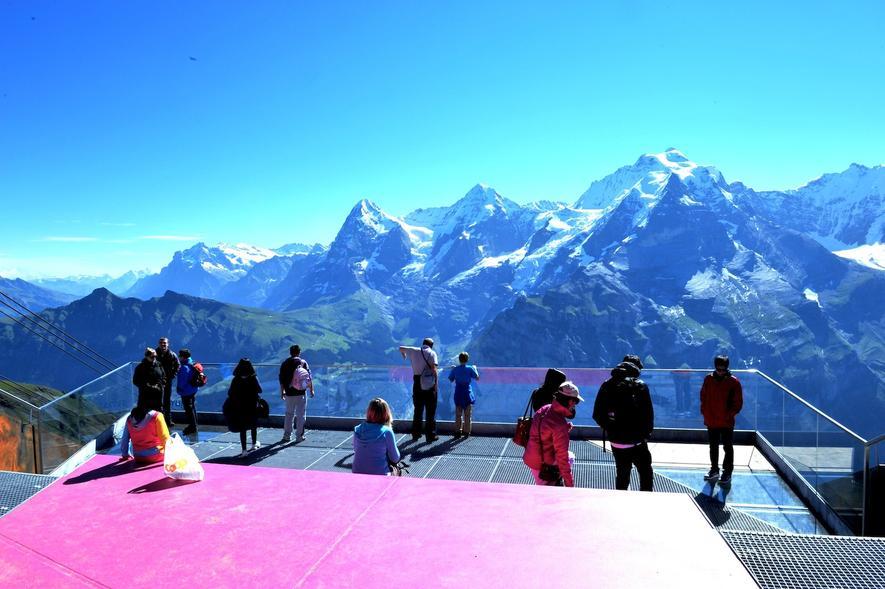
(129,130)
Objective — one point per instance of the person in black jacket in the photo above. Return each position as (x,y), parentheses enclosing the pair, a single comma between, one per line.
(240,409)
(623,409)
(543,395)
(150,380)
(169,361)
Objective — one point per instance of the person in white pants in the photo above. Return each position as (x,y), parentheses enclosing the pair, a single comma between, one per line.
(293,390)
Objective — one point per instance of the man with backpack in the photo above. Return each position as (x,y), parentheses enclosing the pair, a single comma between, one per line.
(424,387)
(722,399)
(190,378)
(295,380)
(624,411)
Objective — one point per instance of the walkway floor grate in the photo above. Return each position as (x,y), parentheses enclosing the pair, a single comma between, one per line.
(791,561)
(18,487)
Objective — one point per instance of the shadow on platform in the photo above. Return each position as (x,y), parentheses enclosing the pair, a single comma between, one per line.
(111,470)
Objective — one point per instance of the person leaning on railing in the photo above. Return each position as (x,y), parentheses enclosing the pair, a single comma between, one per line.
(147,431)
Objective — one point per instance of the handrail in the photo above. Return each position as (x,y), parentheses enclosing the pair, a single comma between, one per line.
(17,399)
(81,387)
(859,438)
(876,440)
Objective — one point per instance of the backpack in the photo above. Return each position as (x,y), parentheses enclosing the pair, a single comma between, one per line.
(627,418)
(301,377)
(197,378)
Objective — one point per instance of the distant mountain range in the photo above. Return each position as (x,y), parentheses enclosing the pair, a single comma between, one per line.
(663,258)
(35,298)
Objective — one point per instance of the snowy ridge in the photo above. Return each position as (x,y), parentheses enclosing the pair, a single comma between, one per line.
(871,256)
(648,176)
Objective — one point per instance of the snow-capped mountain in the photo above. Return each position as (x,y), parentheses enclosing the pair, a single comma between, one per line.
(871,256)
(663,258)
(201,270)
(841,210)
(647,177)
(124,282)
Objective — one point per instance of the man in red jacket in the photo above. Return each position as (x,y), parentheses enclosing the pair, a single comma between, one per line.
(721,400)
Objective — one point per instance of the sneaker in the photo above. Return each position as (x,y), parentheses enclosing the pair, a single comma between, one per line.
(726,479)
(712,475)
(285,440)
(255,446)
(432,438)
(299,440)
(243,454)
(457,435)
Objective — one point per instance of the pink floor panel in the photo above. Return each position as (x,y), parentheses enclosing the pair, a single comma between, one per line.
(110,524)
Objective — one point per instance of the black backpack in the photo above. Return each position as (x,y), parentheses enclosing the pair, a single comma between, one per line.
(627,418)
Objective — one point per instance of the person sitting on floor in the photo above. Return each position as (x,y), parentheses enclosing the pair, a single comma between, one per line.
(147,431)
(374,445)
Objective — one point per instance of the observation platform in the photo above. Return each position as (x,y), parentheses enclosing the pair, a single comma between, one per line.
(294,516)
(112,524)
(471,494)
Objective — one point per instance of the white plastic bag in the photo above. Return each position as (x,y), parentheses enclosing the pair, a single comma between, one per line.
(181,462)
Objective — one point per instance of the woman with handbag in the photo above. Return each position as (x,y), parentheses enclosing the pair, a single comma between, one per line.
(547,453)
(241,407)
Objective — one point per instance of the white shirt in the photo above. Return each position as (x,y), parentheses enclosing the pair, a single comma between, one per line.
(417,357)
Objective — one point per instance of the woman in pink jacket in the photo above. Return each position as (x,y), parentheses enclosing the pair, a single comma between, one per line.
(547,453)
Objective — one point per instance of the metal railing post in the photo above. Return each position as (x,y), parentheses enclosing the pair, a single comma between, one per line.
(866,480)
(38,443)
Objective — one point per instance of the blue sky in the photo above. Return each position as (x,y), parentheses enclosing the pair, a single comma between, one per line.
(130,130)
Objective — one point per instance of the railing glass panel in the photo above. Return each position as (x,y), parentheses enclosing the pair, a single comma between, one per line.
(18,440)
(839,472)
(80,416)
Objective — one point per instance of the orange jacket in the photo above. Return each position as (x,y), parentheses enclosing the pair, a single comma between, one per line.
(148,437)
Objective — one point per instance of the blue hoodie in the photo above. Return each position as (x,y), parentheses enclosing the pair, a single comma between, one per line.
(373,445)
(184,386)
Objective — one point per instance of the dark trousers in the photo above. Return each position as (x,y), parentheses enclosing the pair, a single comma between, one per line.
(625,458)
(243,437)
(167,403)
(190,413)
(724,436)
(423,401)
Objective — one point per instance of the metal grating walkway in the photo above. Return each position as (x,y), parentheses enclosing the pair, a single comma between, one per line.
(793,561)
(477,458)
(18,487)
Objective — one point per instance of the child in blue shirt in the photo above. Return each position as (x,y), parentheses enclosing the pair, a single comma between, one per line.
(464,397)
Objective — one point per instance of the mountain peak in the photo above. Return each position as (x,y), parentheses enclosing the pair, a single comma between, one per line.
(672,160)
(648,175)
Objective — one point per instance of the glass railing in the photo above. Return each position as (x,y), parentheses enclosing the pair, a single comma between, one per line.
(19,449)
(69,422)
(837,465)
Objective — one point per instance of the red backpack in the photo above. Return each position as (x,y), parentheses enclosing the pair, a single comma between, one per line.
(198,377)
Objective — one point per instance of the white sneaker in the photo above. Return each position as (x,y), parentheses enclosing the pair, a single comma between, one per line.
(243,454)
(255,446)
